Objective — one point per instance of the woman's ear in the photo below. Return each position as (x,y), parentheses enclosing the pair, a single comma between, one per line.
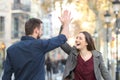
(86,43)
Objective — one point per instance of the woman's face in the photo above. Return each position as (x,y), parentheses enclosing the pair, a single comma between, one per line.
(80,41)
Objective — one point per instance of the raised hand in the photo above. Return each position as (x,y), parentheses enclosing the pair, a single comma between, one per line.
(65,18)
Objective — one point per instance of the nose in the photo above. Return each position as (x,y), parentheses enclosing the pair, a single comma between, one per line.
(76,40)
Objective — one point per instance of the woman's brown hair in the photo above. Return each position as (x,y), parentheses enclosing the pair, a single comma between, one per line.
(89,40)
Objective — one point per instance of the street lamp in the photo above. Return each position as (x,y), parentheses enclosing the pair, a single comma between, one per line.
(107,17)
(116,8)
(107,21)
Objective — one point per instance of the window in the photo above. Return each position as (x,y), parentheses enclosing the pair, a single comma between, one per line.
(16,28)
(2,25)
(17,1)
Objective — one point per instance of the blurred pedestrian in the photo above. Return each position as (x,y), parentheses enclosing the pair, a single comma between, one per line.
(60,66)
(48,63)
(26,58)
(55,67)
(84,61)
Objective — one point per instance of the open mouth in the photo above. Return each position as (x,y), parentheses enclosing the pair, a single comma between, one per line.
(77,44)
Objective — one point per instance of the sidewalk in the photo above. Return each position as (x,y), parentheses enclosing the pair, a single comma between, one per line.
(57,76)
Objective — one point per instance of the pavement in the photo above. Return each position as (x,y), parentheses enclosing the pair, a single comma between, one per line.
(57,76)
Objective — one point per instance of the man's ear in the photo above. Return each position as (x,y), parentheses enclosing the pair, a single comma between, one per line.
(35,30)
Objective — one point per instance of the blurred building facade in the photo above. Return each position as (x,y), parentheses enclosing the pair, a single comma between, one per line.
(5,21)
(14,14)
(12,18)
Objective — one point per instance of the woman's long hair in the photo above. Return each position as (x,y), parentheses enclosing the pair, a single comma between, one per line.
(89,40)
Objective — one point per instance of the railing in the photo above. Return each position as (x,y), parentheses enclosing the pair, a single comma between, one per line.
(19,6)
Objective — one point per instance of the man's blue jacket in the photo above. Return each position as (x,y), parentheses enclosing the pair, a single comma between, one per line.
(26,58)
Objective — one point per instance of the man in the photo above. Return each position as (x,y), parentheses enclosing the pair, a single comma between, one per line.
(26,58)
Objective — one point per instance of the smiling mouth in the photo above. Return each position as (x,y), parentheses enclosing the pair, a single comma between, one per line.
(78,44)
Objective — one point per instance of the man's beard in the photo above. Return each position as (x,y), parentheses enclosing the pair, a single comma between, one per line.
(38,37)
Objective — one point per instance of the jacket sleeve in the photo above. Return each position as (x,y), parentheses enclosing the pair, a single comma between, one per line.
(65,47)
(103,69)
(52,43)
(7,69)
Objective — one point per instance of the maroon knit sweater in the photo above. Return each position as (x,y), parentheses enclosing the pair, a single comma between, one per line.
(84,69)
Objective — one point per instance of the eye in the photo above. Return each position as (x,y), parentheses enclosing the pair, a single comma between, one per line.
(77,37)
(80,38)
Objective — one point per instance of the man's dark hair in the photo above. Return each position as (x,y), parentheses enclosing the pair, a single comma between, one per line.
(31,24)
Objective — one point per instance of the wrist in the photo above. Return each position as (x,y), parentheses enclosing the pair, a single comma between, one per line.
(65,24)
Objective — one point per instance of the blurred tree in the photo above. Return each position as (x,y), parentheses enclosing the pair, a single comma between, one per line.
(92,13)
(47,5)
(99,7)
(76,27)
(83,17)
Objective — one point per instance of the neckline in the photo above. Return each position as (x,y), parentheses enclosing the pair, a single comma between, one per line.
(85,60)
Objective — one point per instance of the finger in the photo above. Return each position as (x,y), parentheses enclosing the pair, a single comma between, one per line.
(69,14)
(65,13)
(61,20)
(71,19)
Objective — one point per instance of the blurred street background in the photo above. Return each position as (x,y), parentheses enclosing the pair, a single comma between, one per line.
(99,17)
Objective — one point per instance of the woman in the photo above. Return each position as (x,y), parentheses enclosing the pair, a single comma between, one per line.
(84,61)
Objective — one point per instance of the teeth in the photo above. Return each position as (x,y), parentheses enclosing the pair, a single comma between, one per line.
(77,44)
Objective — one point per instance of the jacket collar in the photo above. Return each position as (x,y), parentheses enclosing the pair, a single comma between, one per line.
(27,38)
(95,53)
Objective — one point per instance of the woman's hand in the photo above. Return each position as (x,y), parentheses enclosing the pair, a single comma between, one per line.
(65,18)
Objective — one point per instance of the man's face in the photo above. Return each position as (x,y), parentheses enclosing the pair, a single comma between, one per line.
(40,32)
